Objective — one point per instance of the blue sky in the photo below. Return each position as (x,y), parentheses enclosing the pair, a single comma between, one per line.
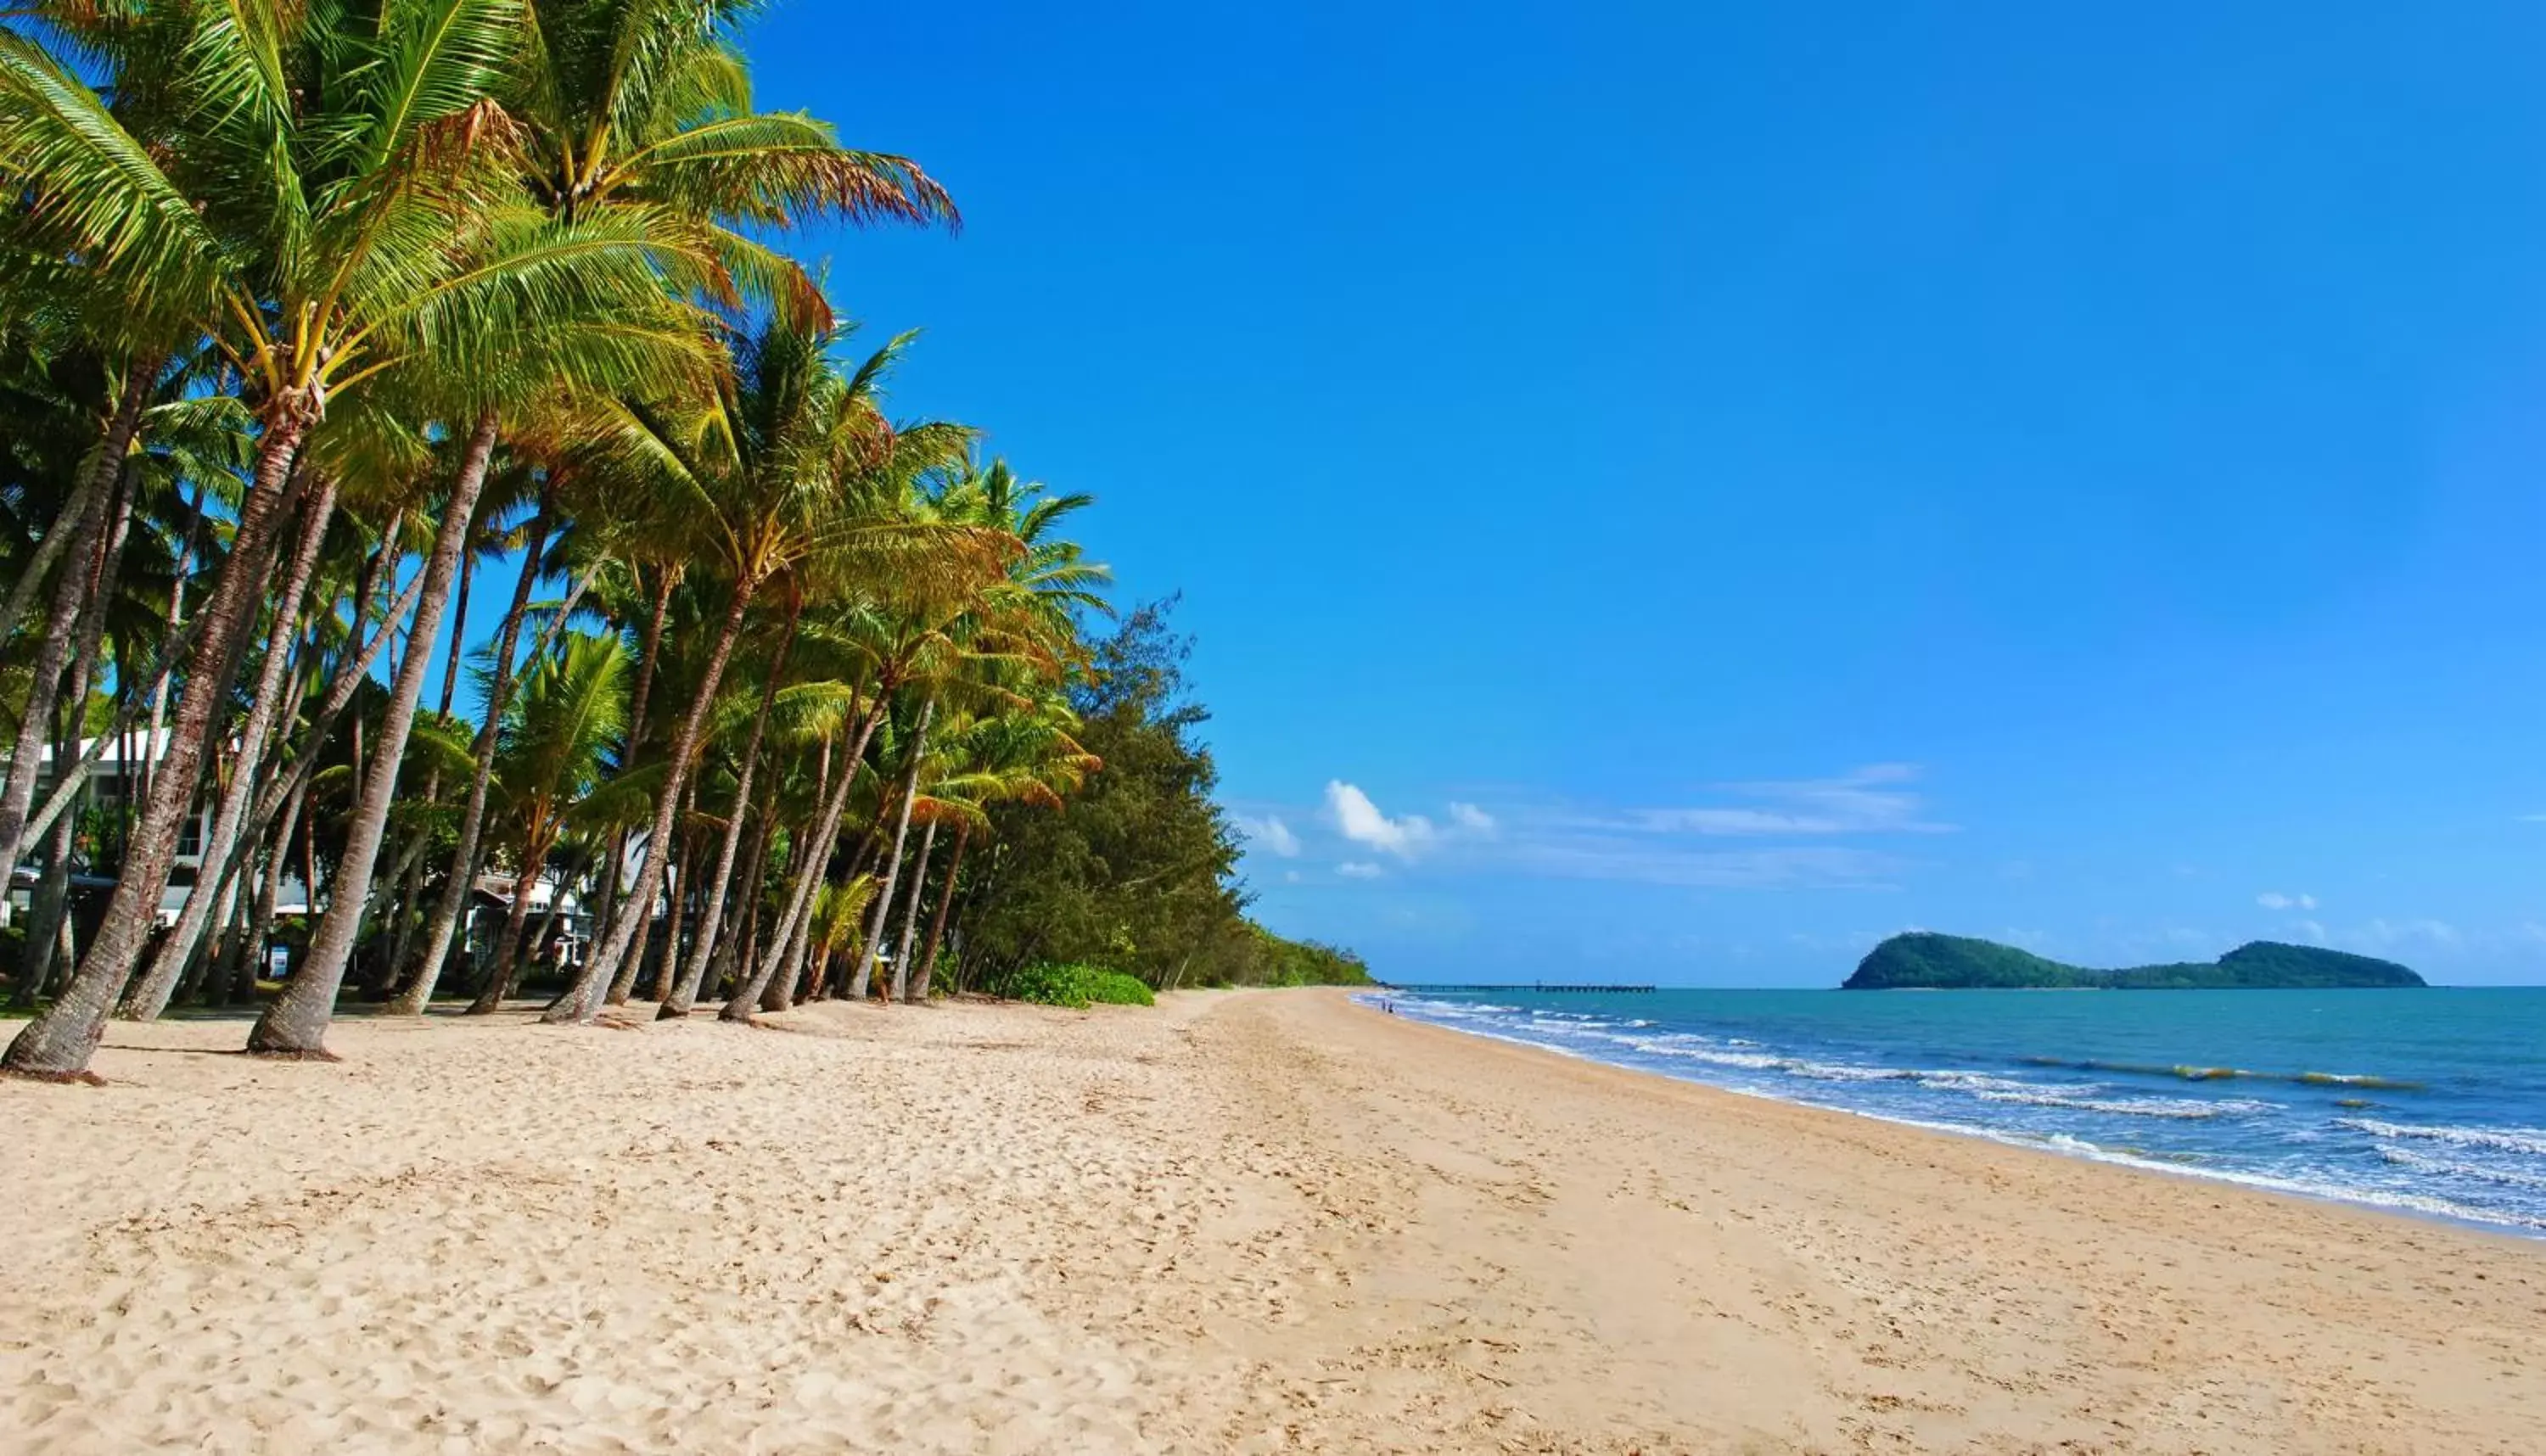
(1683,493)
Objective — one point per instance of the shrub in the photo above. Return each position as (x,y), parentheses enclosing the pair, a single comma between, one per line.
(1115,989)
(1047,985)
(1078,986)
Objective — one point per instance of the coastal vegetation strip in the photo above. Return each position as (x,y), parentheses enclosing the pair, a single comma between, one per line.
(316,315)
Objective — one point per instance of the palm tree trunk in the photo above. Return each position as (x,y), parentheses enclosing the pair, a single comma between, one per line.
(753,923)
(22,592)
(582,1000)
(872,945)
(808,872)
(86,494)
(349,676)
(233,916)
(244,951)
(508,944)
(443,922)
(547,923)
(712,913)
(615,867)
(159,689)
(59,1043)
(208,978)
(903,987)
(149,995)
(920,983)
(71,592)
(624,983)
(406,873)
(51,900)
(677,871)
(223,990)
(295,1025)
(703,975)
(458,608)
(37,952)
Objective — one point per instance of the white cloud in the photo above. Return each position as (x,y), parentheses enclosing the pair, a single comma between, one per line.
(1471,819)
(1868,800)
(1363,823)
(2273,899)
(1270,832)
(1359,870)
(1290,877)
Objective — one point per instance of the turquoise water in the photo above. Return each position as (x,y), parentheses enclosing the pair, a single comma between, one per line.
(2433,1101)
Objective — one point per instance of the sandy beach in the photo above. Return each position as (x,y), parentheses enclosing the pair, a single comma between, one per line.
(1242,1222)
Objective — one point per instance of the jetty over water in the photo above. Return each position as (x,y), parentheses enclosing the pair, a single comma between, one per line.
(1532,985)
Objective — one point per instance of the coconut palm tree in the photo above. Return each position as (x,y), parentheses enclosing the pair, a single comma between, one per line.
(557,738)
(649,102)
(793,467)
(1022,753)
(334,198)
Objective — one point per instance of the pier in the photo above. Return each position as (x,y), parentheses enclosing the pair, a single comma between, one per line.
(1534,985)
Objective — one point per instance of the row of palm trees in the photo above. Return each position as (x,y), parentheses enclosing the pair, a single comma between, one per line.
(316,306)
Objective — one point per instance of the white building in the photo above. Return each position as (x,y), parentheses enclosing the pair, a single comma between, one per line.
(114,783)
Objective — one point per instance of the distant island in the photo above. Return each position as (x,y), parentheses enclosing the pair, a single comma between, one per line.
(1924,961)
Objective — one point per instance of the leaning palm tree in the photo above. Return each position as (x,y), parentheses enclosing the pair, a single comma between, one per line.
(1022,753)
(647,104)
(334,197)
(1023,635)
(901,628)
(794,465)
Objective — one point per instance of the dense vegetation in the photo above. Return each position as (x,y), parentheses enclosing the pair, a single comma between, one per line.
(1924,961)
(1079,986)
(317,311)
(1141,872)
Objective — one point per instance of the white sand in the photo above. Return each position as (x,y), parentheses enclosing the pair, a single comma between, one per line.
(1238,1223)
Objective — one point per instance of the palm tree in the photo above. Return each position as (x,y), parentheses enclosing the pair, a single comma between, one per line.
(794,467)
(904,634)
(1022,754)
(1020,630)
(557,741)
(649,102)
(839,909)
(333,198)
(303,309)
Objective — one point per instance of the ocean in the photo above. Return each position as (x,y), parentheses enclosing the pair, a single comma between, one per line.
(2427,1101)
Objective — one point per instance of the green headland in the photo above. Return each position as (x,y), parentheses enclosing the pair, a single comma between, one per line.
(1924,961)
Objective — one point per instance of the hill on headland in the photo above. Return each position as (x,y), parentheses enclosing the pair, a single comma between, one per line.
(1924,961)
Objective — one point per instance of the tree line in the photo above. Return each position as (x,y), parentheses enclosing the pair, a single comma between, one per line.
(316,307)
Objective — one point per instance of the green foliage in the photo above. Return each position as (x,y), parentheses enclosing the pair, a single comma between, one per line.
(1930,961)
(1078,986)
(1113,988)
(1138,869)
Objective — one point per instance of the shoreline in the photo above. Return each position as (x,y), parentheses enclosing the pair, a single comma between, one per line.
(2398,1206)
(1243,1222)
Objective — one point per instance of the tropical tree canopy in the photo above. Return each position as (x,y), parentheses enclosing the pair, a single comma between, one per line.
(328,324)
